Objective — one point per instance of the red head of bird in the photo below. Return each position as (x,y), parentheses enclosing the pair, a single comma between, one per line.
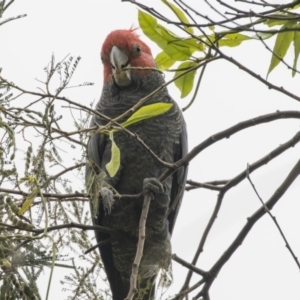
(121,50)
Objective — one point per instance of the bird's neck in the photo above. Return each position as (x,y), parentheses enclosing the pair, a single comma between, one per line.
(115,100)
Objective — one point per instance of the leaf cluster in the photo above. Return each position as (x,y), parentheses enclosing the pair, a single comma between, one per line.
(39,162)
(190,51)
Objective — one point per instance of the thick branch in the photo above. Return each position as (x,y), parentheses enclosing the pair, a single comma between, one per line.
(227,133)
(140,248)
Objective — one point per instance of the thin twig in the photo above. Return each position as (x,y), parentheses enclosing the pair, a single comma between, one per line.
(189,266)
(12,19)
(98,245)
(294,173)
(273,219)
(194,185)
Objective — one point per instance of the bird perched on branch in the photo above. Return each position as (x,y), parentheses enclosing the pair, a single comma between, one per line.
(122,164)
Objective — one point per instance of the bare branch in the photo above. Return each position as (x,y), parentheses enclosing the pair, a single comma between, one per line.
(227,133)
(189,266)
(98,245)
(140,248)
(294,173)
(194,185)
(12,19)
(273,219)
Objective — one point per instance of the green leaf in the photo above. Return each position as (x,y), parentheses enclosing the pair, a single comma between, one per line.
(113,166)
(185,83)
(273,22)
(164,61)
(233,39)
(192,43)
(180,15)
(145,112)
(296,48)
(187,45)
(148,111)
(282,44)
(262,36)
(162,37)
(28,202)
(172,44)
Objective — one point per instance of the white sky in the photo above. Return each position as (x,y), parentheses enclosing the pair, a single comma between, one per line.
(261,268)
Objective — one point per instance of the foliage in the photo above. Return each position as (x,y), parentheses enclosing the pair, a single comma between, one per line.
(29,207)
(178,49)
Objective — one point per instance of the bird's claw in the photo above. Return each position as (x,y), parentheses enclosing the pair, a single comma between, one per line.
(152,185)
(107,199)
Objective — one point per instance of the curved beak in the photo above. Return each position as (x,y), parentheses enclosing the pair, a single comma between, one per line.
(119,61)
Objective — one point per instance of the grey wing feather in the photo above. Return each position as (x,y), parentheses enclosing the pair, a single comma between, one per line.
(179,180)
(96,148)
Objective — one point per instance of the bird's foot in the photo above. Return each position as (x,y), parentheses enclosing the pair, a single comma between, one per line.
(107,199)
(152,185)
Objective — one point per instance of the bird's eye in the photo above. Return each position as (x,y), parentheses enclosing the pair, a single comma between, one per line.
(137,49)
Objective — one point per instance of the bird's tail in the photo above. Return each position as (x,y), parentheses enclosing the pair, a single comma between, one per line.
(147,283)
(165,277)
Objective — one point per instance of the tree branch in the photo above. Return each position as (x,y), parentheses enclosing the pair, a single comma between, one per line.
(294,173)
(140,248)
(189,266)
(274,220)
(227,133)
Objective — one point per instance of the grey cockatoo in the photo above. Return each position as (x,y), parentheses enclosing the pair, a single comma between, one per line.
(165,134)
